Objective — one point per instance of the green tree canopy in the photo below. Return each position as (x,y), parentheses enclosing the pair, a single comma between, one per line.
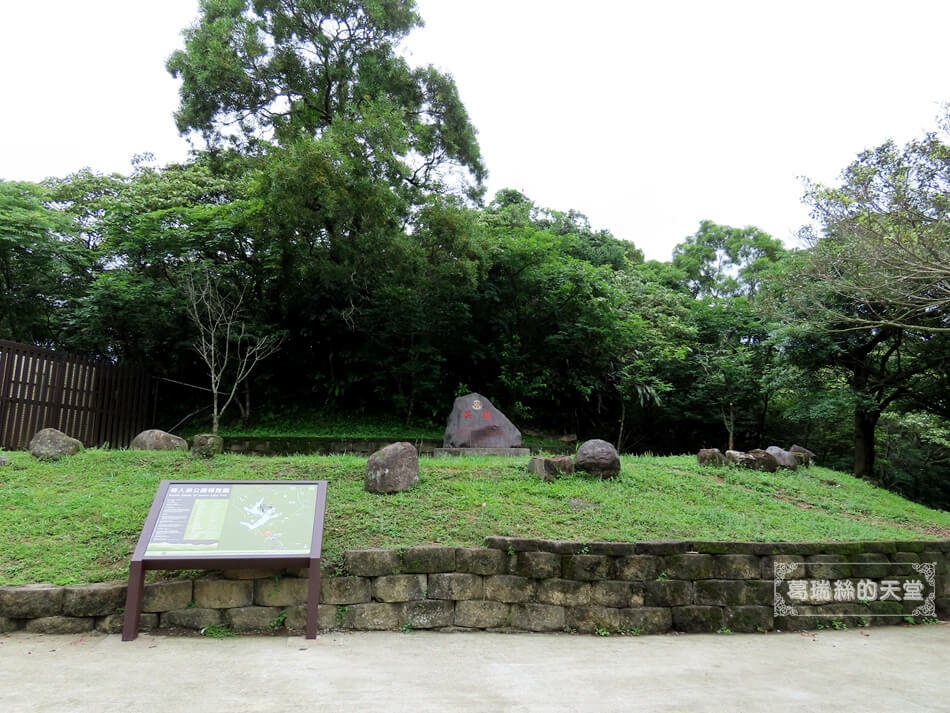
(884,367)
(884,244)
(870,298)
(42,265)
(721,261)
(288,69)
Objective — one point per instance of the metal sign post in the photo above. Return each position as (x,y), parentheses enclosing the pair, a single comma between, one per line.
(205,524)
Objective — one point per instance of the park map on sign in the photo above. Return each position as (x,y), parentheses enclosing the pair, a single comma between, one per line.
(234,518)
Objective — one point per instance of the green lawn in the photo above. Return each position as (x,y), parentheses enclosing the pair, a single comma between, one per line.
(77,520)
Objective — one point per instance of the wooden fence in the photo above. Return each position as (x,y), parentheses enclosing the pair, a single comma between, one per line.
(95,401)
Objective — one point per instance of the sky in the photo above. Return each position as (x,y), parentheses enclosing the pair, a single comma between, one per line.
(648,117)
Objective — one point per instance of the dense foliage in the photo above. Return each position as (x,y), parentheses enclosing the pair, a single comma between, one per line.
(339,194)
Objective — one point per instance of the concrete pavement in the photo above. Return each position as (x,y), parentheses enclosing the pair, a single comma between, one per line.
(887,669)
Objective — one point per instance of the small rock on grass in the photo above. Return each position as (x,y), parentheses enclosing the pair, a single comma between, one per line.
(710,456)
(158,440)
(392,469)
(550,469)
(206,445)
(598,457)
(50,444)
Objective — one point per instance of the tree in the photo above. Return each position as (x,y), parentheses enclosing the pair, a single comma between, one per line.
(282,70)
(138,232)
(724,269)
(417,314)
(915,447)
(42,268)
(871,295)
(563,330)
(886,366)
(722,261)
(224,344)
(348,149)
(884,245)
(653,335)
(512,209)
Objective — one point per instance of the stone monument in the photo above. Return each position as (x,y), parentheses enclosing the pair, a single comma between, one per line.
(476,427)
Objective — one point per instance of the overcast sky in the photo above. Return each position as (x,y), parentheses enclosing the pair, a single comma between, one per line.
(646,116)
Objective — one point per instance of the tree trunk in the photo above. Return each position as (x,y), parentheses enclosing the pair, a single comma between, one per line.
(730,424)
(412,401)
(623,416)
(760,427)
(244,405)
(865,423)
(732,427)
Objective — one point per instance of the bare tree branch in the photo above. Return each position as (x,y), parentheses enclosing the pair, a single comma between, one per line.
(222,342)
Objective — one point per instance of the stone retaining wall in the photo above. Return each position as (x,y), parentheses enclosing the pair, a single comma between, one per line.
(510,584)
(289,445)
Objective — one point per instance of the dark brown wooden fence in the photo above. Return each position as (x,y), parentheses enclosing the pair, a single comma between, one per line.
(95,401)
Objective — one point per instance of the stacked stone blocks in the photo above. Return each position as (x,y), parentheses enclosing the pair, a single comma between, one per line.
(511,584)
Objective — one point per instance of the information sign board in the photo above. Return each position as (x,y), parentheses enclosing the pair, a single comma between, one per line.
(230,524)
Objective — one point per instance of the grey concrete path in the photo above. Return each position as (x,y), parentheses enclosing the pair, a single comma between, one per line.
(889,669)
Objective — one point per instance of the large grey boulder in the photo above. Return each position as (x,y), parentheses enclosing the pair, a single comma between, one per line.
(710,456)
(597,457)
(3,461)
(157,440)
(206,445)
(764,461)
(783,457)
(807,457)
(50,444)
(476,423)
(392,469)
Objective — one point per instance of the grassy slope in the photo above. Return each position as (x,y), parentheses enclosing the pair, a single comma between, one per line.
(77,520)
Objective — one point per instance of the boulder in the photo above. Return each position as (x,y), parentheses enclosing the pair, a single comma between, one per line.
(550,469)
(807,456)
(3,461)
(764,461)
(710,456)
(740,459)
(50,444)
(476,423)
(392,469)
(597,457)
(783,457)
(156,440)
(206,445)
